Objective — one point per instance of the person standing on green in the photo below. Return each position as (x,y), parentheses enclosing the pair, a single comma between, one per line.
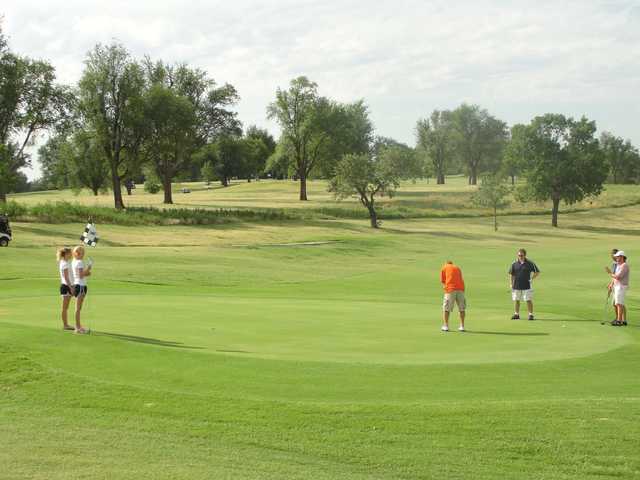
(453,284)
(521,274)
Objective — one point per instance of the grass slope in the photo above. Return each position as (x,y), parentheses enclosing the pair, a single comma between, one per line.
(244,351)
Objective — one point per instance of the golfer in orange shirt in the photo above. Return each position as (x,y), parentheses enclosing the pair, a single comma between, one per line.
(453,284)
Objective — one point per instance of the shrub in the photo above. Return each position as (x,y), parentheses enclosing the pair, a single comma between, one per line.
(13,210)
(151,186)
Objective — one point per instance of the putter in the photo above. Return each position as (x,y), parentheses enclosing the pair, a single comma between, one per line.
(604,311)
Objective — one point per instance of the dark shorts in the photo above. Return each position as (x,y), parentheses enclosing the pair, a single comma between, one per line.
(65,290)
(80,290)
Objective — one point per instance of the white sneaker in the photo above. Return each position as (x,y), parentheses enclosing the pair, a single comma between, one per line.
(445,328)
(461,328)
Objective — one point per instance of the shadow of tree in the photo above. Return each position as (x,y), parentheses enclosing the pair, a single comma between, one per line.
(150,341)
(514,334)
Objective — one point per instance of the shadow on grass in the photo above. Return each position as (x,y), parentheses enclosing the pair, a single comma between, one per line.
(232,351)
(150,341)
(514,334)
(607,230)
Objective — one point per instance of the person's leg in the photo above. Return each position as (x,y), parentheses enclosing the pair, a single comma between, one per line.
(66,299)
(79,301)
(462,315)
(530,307)
(462,307)
(446,309)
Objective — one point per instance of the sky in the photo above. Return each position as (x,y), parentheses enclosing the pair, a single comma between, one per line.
(405,58)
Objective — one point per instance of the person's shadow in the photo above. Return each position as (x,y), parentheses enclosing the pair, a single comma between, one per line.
(514,334)
(151,341)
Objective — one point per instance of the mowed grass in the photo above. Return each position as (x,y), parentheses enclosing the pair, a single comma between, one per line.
(312,350)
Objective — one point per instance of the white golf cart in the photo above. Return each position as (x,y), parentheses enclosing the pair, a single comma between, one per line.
(5,231)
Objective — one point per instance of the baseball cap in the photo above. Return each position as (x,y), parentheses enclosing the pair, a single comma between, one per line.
(619,253)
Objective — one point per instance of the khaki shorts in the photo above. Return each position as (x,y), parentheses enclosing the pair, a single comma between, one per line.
(455,297)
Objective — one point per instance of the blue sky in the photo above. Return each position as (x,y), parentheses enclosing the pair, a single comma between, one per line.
(405,58)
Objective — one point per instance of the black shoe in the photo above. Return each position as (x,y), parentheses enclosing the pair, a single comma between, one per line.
(515,317)
(616,323)
(624,323)
(531,317)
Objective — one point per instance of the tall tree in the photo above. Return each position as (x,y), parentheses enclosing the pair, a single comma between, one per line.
(622,157)
(368,176)
(514,153)
(564,161)
(30,102)
(303,118)
(479,139)
(436,141)
(85,162)
(111,90)
(170,134)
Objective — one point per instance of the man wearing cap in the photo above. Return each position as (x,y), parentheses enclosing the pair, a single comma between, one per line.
(521,274)
(453,284)
(611,270)
(620,284)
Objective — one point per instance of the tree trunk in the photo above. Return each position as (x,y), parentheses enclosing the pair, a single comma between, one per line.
(303,187)
(513,179)
(372,215)
(554,212)
(3,197)
(117,191)
(127,185)
(166,187)
(495,219)
(224,181)
(440,179)
(95,191)
(473,176)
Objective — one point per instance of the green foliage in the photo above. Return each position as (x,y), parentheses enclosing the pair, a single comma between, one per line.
(30,102)
(436,142)
(208,172)
(13,209)
(67,212)
(367,177)
(515,153)
(492,193)
(564,161)
(622,158)
(152,186)
(111,92)
(479,139)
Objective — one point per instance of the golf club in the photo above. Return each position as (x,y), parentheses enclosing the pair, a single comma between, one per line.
(604,311)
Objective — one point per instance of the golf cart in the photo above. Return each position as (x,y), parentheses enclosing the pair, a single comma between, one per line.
(5,231)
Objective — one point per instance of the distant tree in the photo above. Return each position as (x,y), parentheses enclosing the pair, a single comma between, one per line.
(111,91)
(436,141)
(480,139)
(256,154)
(492,193)
(30,102)
(55,171)
(514,153)
(207,172)
(85,162)
(280,163)
(367,177)
(170,134)
(264,135)
(306,121)
(564,161)
(622,158)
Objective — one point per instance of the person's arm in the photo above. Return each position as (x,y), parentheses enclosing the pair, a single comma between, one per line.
(442,279)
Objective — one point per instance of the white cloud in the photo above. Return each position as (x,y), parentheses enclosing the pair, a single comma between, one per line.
(405,58)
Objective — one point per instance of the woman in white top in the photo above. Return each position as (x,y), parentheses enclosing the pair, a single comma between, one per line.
(64,257)
(80,273)
(620,284)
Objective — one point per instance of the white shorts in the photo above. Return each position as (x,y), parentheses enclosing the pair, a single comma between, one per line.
(619,292)
(520,295)
(452,298)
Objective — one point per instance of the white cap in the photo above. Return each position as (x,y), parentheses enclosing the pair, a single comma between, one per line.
(619,253)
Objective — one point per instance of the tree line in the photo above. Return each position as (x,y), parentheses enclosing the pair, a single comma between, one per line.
(129,121)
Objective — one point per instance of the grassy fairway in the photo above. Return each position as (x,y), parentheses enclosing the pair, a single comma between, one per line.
(245,351)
